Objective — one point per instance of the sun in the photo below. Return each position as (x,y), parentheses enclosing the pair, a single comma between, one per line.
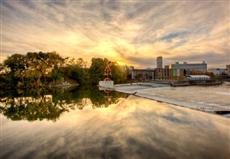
(121,63)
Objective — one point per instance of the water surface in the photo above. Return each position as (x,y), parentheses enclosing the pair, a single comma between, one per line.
(87,123)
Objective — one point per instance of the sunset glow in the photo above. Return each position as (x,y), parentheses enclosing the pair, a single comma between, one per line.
(131,31)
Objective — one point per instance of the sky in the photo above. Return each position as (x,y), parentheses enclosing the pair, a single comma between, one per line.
(132,32)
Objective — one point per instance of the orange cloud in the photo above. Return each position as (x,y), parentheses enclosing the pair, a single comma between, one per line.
(133,32)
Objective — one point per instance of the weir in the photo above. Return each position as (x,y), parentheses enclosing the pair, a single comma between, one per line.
(208,99)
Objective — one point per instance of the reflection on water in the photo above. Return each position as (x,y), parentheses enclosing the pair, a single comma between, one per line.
(46,104)
(123,128)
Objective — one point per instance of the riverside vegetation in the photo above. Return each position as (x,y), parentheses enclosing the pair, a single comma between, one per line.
(49,69)
(41,104)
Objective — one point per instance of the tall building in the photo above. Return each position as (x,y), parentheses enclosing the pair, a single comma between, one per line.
(159,62)
(228,69)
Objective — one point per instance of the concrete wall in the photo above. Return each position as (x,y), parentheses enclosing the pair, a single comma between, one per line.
(106,84)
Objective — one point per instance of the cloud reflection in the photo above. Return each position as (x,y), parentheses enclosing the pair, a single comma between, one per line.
(133,128)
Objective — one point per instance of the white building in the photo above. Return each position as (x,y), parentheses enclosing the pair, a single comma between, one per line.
(202,67)
(183,69)
(198,77)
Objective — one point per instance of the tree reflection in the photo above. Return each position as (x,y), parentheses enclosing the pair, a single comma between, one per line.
(50,104)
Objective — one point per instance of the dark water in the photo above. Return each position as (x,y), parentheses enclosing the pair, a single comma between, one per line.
(87,123)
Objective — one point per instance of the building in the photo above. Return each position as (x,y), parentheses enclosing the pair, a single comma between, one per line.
(177,71)
(142,74)
(167,73)
(159,62)
(198,77)
(228,69)
(217,71)
(185,69)
(163,73)
(202,67)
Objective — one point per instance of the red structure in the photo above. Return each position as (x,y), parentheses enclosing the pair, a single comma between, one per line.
(108,72)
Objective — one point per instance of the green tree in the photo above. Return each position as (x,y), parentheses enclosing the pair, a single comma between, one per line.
(96,69)
(119,73)
(32,67)
(38,69)
(43,63)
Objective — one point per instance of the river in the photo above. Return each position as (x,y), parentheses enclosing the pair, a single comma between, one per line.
(89,124)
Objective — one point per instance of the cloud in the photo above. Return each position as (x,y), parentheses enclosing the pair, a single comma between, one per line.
(210,57)
(131,31)
(171,36)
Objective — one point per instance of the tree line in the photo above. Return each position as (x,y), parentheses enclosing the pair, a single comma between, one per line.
(47,69)
(40,104)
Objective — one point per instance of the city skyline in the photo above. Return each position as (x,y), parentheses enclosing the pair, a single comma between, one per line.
(131,32)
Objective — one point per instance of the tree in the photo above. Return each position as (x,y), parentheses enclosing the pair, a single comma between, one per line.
(119,73)
(16,62)
(75,70)
(38,69)
(33,66)
(96,69)
(43,63)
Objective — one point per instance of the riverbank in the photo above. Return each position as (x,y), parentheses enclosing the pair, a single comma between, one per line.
(213,99)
